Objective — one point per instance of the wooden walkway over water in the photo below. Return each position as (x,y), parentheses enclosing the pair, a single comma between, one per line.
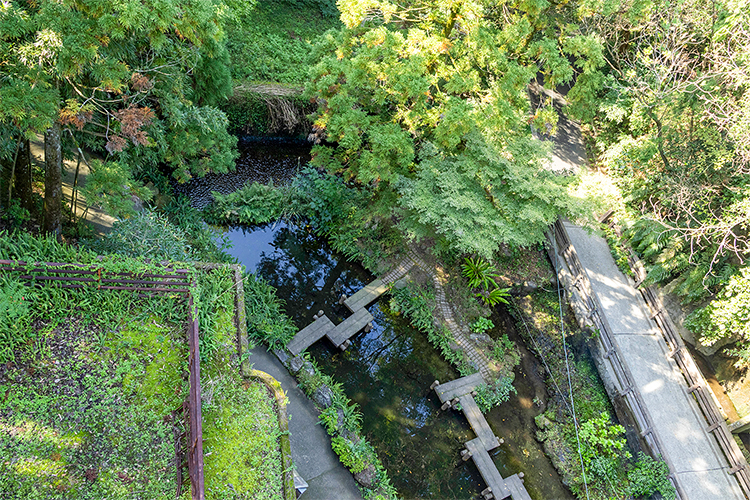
(340,334)
(461,392)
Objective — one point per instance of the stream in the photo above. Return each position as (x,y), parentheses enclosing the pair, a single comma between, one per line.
(388,371)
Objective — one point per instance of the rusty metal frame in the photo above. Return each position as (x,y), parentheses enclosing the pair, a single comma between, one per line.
(84,276)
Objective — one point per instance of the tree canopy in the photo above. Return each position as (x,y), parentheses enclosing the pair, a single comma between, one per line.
(133,80)
(431,99)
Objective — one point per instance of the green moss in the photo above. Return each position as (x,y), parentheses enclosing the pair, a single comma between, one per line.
(161,359)
(241,442)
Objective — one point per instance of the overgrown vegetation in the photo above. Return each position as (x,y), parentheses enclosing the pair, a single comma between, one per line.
(418,304)
(94,387)
(606,460)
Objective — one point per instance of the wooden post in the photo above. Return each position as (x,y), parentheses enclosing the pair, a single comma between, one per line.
(368,327)
(445,405)
(434,384)
(465,455)
(342,298)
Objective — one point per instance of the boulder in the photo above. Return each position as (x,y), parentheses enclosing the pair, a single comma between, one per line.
(323,395)
(368,477)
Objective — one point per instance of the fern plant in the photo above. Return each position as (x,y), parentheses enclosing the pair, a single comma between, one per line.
(479,272)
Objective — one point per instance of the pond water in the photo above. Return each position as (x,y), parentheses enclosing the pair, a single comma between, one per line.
(388,371)
(262,159)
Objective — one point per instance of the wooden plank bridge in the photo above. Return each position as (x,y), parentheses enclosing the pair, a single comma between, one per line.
(461,392)
(340,334)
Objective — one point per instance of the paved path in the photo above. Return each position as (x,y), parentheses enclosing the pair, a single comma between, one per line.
(693,454)
(312,455)
(695,459)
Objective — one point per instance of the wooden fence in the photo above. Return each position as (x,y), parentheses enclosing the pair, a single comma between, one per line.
(624,379)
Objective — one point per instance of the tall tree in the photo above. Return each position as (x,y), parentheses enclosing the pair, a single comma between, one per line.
(430,99)
(112,75)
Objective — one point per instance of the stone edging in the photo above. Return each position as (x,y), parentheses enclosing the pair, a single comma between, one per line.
(475,355)
(286,450)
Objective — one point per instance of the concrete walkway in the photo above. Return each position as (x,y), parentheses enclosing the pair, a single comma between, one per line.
(312,455)
(698,465)
(694,456)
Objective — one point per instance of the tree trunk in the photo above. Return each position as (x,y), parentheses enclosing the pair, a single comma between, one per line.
(53,180)
(23,176)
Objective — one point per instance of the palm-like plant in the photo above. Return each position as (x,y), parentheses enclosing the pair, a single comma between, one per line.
(479,272)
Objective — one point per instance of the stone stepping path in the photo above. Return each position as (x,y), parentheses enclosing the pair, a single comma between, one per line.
(460,391)
(459,332)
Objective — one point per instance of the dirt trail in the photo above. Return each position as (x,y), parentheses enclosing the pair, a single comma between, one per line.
(101,221)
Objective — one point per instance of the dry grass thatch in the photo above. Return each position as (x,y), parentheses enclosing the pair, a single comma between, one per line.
(283,112)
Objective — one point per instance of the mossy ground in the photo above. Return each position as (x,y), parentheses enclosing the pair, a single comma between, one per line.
(85,412)
(87,403)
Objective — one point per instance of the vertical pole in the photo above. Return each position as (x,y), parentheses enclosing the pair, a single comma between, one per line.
(195,446)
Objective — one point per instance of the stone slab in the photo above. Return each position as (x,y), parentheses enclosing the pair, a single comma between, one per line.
(366,295)
(478,423)
(487,469)
(309,335)
(458,387)
(349,327)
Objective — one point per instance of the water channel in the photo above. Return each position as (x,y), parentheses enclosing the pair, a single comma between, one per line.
(388,371)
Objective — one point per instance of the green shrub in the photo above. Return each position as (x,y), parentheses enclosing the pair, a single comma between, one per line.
(15,315)
(481,325)
(266,320)
(492,395)
(479,272)
(252,204)
(145,234)
(727,316)
(354,456)
(650,476)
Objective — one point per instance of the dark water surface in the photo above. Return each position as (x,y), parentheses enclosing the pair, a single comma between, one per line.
(388,371)
(262,159)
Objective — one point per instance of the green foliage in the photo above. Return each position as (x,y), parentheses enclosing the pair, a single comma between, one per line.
(254,203)
(619,253)
(726,317)
(199,142)
(439,114)
(266,320)
(342,420)
(504,348)
(272,42)
(145,234)
(495,296)
(206,243)
(354,456)
(111,187)
(492,395)
(120,79)
(15,316)
(416,304)
(16,215)
(668,257)
(479,272)
(481,325)
(649,476)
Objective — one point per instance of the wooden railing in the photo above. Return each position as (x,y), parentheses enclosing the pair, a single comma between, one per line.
(696,382)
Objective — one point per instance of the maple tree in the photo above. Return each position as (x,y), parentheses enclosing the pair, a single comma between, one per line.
(116,78)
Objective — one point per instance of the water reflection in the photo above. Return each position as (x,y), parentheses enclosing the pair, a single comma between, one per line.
(388,371)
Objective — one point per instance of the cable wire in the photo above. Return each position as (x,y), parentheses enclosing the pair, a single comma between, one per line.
(567,368)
